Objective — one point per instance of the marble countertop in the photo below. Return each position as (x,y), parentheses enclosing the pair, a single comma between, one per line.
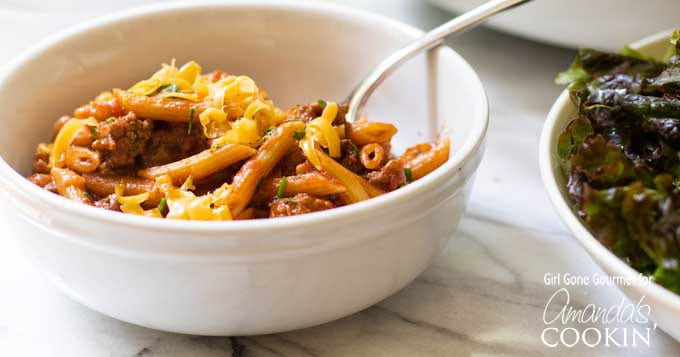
(485,295)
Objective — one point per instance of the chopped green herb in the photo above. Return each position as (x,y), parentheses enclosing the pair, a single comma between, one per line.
(87,194)
(282,187)
(94,131)
(170,88)
(409,174)
(269,131)
(299,135)
(322,103)
(110,120)
(355,149)
(162,205)
(191,120)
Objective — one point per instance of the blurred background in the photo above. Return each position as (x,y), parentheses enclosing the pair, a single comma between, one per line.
(605,24)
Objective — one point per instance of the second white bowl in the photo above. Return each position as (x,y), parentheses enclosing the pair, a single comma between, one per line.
(664,304)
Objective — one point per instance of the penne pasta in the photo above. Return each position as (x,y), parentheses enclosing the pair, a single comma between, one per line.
(371,190)
(362,133)
(41,180)
(425,162)
(246,214)
(183,144)
(200,165)
(70,185)
(313,183)
(304,168)
(160,108)
(104,185)
(268,155)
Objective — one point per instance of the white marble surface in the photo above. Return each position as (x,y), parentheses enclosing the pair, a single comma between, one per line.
(484,295)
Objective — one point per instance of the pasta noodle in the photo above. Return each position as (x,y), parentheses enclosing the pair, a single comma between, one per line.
(313,183)
(200,165)
(80,159)
(363,133)
(65,137)
(372,155)
(355,189)
(105,185)
(70,185)
(269,154)
(426,162)
(159,108)
(188,145)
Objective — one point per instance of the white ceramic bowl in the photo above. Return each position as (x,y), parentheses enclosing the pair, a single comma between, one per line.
(607,24)
(664,304)
(242,277)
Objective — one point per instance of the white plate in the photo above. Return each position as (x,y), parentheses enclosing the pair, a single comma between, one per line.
(606,24)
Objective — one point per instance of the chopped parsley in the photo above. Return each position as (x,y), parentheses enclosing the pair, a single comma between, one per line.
(110,120)
(299,135)
(269,131)
(87,195)
(191,120)
(94,131)
(170,88)
(282,187)
(162,205)
(355,149)
(322,103)
(409,174)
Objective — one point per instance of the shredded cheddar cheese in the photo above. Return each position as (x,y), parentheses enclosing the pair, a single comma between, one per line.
(133,204)
(321,130)
(188,96)
(214,122)
(190,71)
(183,204)
(244,131)
(65,137)
(238,112)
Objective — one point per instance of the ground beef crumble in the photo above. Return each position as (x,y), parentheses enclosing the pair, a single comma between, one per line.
(171,142)
(121,141)
(299,204)
(109,202)
(307,112)
(390,177)
(350,157)
(41,160)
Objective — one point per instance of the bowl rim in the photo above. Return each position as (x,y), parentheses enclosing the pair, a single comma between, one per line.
(11,179)
(549,171)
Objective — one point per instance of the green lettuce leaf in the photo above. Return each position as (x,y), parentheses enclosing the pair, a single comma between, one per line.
(670,279)
(630,52)
(573,136)
(575,77)
(603,163)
